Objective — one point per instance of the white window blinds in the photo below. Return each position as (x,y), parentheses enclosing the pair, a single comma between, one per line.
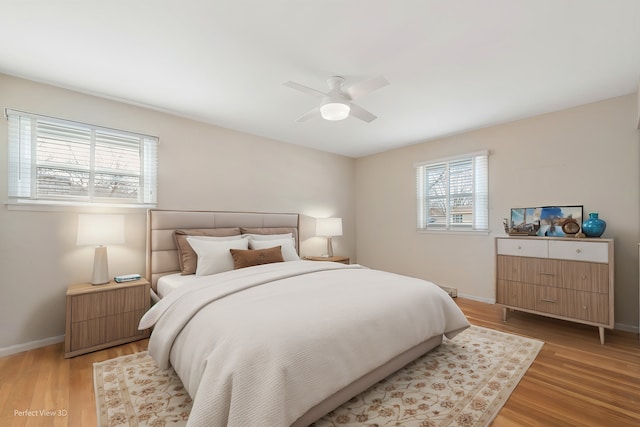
(453,194)
(60,161)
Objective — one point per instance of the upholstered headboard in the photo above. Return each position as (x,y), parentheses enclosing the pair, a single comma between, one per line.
(162,253)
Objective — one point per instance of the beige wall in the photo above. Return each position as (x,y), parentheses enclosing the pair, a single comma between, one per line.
(200,167)
(575,156)
(587,156)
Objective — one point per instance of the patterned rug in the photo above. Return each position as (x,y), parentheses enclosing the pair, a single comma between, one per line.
(463,382)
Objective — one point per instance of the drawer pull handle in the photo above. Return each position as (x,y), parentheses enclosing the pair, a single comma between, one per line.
(548,300)
(578,250)
(519,247)
(547,274)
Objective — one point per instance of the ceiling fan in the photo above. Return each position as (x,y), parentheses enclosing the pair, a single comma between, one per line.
(336,104)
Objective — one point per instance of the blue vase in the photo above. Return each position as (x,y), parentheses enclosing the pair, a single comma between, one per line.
(594,226)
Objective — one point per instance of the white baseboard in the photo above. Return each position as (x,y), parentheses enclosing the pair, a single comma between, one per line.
(19,348)
(476,298)
(628,328)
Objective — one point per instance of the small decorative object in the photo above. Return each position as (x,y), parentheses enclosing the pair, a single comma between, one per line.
(552,218)
(594,226)
(523,222)
(545,221)
(570,226)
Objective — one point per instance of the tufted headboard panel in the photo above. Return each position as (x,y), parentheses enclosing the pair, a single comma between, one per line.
(162,254)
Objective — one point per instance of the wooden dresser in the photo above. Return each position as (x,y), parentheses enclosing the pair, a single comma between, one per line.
(103,316)
(565,278)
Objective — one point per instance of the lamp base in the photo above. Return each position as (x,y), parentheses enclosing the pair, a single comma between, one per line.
(329,247)
(100,266)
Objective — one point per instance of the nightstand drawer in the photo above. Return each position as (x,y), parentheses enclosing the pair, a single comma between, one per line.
(107,303)
(96,331)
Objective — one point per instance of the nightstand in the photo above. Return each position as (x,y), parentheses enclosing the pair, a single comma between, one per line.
(103,316)
(342,259)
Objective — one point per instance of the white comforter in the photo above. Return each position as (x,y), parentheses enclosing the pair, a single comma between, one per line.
(262,345)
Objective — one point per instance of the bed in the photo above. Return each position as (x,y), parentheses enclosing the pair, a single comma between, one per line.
(279,343)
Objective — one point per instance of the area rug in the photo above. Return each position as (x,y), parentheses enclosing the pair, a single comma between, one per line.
(463,382)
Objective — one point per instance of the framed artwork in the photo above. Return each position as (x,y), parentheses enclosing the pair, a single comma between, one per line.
(553,218)
(524,222)
(549,221)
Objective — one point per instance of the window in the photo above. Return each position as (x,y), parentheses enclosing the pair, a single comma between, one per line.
(453,193)
(56,161)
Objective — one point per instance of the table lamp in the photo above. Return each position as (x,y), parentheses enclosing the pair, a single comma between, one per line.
(100,230)
(329,227)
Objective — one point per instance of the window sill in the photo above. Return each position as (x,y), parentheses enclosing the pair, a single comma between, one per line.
(455,232)
(49,206)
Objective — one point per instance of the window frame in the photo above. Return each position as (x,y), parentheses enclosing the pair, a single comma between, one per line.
(23,164)
(479,195)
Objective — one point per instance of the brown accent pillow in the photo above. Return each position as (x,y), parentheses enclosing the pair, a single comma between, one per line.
(187,258)
(247,257)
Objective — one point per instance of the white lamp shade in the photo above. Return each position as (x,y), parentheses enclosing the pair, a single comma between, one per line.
(335,111)
(329,227)
(100,229)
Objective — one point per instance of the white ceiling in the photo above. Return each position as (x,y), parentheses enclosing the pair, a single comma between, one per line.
(453,65)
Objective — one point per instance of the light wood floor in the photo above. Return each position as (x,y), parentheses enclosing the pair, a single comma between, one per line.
(574,381)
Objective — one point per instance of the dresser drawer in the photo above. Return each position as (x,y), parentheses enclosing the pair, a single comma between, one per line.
(523,247)
(579,251)
(516,294)
(585,276)
(509,268)
(586,306)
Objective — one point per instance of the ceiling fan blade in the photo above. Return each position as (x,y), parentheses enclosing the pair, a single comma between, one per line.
(360,89)
(362,114)
(309,115)
(305,89)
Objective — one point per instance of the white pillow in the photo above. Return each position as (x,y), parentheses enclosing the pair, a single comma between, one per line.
(213,255)
(269,236)
(218,238)
(288,250)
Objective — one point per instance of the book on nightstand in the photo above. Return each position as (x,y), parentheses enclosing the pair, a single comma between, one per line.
(126,278)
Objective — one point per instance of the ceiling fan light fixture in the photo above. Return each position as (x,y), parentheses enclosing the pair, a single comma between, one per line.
(335,111)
